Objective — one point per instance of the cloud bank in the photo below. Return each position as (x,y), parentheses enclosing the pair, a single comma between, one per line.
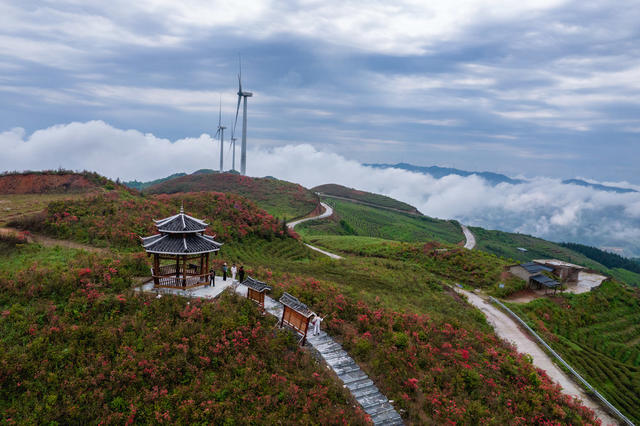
(542,206)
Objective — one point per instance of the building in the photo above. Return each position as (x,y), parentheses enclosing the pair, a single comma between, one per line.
(180,252)
(567,272)
(533,274)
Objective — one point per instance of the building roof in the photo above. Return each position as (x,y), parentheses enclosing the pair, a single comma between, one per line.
(180,244)
(181,223)
(535,268)
(545,281)
(295,304)
(556,262)
(256,285)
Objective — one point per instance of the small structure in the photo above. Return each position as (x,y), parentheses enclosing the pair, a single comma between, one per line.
(296,315)
(567,272)
(181,240)
(528,270)
(256,290)
(542,281)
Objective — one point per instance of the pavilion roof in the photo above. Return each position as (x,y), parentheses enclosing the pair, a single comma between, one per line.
(180,244)
(256,285)
(295,304)
(181,223)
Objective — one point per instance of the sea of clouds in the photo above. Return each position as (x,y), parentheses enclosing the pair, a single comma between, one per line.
(541,206)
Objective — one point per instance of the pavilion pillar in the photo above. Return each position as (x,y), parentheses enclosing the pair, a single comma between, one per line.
(177,269)
(184,271)
(156,269)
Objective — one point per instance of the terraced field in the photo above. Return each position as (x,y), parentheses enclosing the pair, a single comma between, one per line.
(598,333)
(360,220)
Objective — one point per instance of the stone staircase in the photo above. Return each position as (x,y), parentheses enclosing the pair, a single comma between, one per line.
(361,387)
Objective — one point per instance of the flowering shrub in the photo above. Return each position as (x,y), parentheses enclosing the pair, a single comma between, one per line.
(435,371)
(77,347)
(118,218)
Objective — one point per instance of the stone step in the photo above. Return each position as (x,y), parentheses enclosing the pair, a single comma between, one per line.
(387,418)
(378,409)
(372,400)
(353,377)
(339,361)
(364,391)
(334,354)
(319,342)
(329,347)
(359,384)
(349,368)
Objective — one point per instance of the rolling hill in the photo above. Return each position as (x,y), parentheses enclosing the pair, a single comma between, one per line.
(281,199)
(368,198)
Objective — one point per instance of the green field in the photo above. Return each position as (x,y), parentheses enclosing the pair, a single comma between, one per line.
(360,220)
(598,334)
(505,244)
(365,197)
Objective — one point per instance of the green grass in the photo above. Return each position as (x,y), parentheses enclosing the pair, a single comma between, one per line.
(597,333)
(506,245)
(365,197)
(357,219)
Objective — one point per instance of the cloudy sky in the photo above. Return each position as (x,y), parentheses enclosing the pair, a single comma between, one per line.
(542,89)
(531,87)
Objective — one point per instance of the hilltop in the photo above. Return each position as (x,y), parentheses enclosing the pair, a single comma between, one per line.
(368,198)
(52,182)
(281,199)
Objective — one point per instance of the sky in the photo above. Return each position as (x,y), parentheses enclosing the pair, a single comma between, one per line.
(540,89)
(532,88)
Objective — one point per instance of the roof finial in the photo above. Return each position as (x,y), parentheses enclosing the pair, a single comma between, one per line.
(182,207)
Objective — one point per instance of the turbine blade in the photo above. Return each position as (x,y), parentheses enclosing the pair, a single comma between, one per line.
(237,111)
(220,113)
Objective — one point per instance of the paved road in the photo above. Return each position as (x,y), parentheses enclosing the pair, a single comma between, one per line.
(328,211)
(508,330)
(471,240)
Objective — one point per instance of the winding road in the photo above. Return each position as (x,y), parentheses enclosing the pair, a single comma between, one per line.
(471,239)
(328,211)
(507,329)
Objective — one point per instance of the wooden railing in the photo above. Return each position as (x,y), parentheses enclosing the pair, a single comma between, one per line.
(166,270)
(180,281)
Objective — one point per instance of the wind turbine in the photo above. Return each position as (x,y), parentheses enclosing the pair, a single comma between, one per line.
(242,95)
(233,153)
(221,133)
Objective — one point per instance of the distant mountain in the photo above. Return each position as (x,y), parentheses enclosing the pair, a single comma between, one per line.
(438,172)
(597,186)
(142,185)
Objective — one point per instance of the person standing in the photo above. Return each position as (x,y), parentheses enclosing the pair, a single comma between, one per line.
(212,278)
(224,271)
(234,271)
(316,325)
(241,273)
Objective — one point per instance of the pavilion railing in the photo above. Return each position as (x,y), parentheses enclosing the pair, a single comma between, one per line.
(191,269)
(180,280)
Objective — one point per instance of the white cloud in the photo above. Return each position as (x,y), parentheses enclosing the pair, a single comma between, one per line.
(541,206)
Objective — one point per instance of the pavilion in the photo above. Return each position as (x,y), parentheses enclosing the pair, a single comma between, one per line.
(183,246)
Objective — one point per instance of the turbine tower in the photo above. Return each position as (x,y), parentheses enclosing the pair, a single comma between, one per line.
(233,153)
(221,133)
(243,150)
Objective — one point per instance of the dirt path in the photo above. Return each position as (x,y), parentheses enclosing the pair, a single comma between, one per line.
(508,330)
(471,239)
(328,211)
(52,242)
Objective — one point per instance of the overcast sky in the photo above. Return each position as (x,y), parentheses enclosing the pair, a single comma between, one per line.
(533,88)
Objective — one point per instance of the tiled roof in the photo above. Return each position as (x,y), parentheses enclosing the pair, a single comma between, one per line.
(256,285)
(180,223)
(295,304)
(545,281)
(535,268)
(195,243)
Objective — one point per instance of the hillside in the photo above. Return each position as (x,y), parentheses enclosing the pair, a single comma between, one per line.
(598,333)
(30,192)
(134,184)
(353,219)
(508,245)
(188,361)
(375,200)
(281,199)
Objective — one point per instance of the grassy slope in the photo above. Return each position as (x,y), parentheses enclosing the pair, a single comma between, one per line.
(77,346)
(598,333)
(279,198)
(367,197)
(360,220)
(505,244)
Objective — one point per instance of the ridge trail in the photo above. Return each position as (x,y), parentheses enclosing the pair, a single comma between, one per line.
(328,211)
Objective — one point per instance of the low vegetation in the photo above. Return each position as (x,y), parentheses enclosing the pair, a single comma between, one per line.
(357,219)
(77,346)
(598,334)
(365,197)
(281,199)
